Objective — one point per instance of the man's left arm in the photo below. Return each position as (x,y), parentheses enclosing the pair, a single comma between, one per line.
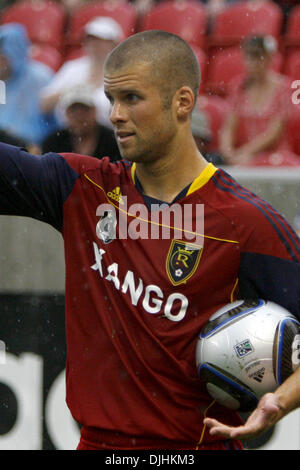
(270,270)
(271,408)
(272,278)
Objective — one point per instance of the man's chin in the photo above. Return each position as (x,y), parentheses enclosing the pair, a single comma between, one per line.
(131,158)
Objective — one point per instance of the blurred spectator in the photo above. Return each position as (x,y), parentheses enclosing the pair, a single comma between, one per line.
(24,78)
(102,34)
(83,134)
(260,105)
(202,134)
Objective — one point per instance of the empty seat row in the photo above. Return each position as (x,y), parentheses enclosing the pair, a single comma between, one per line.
(47,22)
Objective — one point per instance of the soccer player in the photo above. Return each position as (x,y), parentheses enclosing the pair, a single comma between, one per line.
(142,277)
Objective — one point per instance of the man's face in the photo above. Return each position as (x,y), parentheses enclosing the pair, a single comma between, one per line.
(144,127)
(257,64)
(81,119)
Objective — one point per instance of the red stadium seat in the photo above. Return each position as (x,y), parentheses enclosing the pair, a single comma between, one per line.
(44,20)
(124,13)
(244,19)
(202,59)
(292,34)
(73,53)
(187,19)
(215,108)
(223,67)
(47,55)
(294,125)
(292,65)
(228,64)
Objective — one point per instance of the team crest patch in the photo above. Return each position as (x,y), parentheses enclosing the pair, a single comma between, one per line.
(182,261)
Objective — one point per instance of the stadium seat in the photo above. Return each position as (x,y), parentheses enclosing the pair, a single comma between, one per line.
(124,13)
(294,126)
(188,19)
(73,53)
(227,64)
(246,18)
(292,34)
(215,108)
(44,20)
(202,59)
(292,65)
(223,67)
(47,55)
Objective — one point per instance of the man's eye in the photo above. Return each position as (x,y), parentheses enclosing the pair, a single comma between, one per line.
(131,97)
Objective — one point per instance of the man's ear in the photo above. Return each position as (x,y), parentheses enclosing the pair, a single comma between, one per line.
(184,102)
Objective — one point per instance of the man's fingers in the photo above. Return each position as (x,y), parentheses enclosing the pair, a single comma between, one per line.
(217,428)
(258,422)
(229,432)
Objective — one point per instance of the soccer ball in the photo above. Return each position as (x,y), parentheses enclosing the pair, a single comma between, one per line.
(246,349)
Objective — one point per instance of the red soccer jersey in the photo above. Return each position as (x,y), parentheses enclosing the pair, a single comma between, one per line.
(135,305)
(132,324)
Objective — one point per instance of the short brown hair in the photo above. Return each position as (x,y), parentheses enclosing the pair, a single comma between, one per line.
(174,63)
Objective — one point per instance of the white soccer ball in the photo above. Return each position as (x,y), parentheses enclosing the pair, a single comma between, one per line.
(246,349)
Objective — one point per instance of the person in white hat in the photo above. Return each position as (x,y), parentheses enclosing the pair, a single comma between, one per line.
(101,35)
(82,134)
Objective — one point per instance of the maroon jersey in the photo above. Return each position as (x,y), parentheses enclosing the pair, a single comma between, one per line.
(135,304)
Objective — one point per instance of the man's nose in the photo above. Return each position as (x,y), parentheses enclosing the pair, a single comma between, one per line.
(117,113)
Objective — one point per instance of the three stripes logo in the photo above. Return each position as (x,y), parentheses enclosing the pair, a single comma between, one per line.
(258,375)
(116,195)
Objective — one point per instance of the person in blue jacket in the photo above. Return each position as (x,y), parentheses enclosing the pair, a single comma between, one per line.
(21,81)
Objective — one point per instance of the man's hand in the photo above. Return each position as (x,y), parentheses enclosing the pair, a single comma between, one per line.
(267,413)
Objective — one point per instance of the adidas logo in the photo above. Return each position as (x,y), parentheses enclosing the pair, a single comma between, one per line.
(258,375)
(116,195)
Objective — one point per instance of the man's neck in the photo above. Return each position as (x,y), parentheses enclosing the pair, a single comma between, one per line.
(164,180)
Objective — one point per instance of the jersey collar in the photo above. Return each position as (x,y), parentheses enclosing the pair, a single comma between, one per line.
(198,183)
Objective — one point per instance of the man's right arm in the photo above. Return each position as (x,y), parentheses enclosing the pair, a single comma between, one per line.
(34,186)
